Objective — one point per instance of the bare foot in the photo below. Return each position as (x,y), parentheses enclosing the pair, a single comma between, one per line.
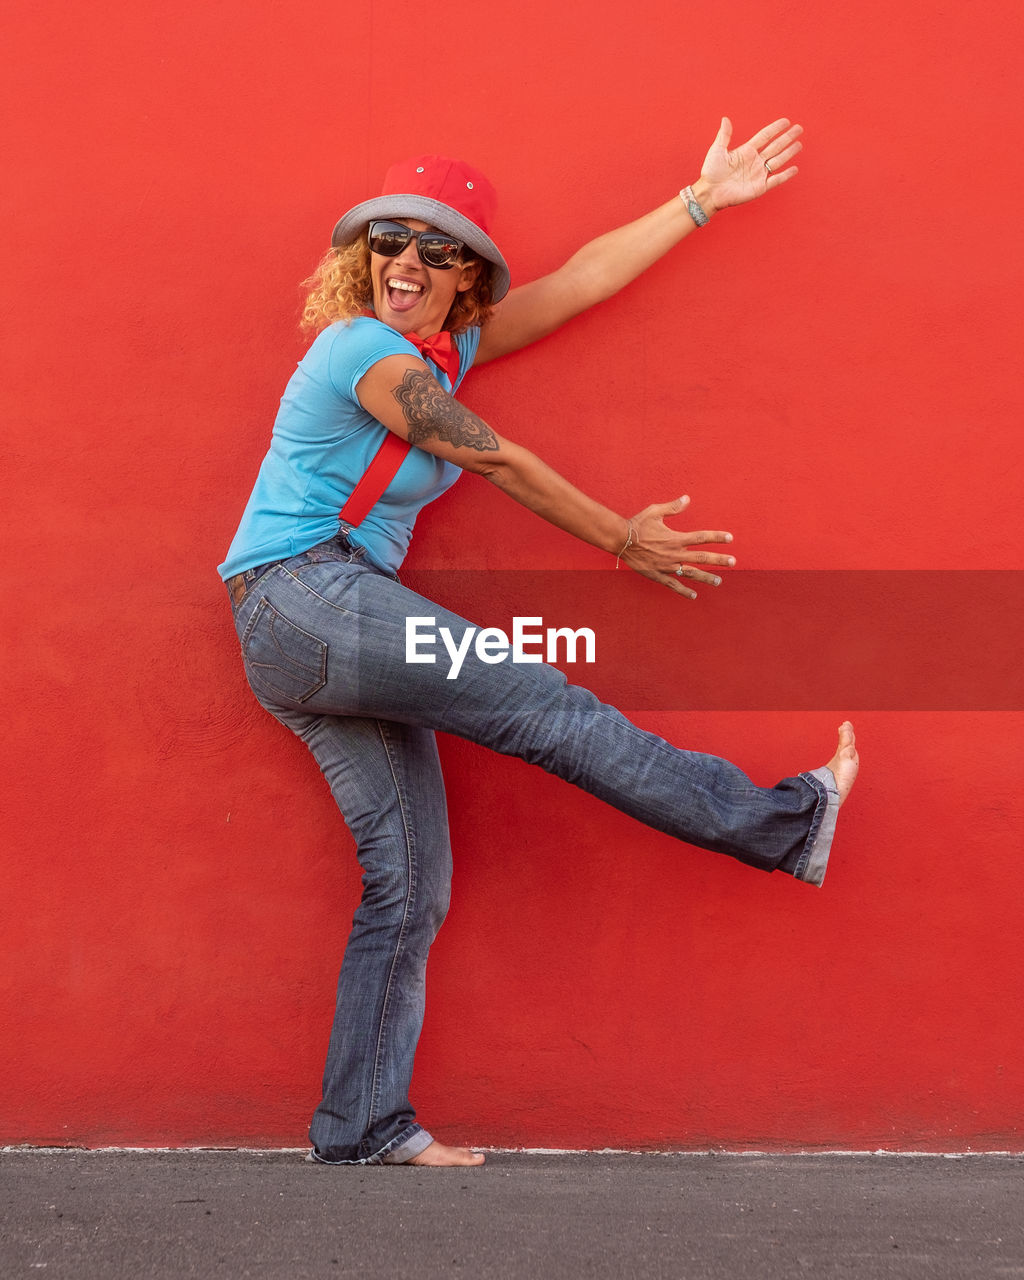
(845,763)
(438,1156)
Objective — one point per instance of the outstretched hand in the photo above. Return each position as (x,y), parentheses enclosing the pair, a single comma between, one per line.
(668,557)
(734,177)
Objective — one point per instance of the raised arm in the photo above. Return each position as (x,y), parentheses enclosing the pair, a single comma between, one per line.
(602,267)
(402,393)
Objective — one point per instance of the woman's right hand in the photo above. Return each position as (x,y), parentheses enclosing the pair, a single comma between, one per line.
(668,557)
(734,177)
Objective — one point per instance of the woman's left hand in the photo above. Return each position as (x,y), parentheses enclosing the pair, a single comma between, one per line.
(663,555)
(734,177)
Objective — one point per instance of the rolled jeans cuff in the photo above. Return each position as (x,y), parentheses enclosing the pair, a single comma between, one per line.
(812,861)
(409,1143)
(400,1152)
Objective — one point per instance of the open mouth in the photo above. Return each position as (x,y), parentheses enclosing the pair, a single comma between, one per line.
(402,294)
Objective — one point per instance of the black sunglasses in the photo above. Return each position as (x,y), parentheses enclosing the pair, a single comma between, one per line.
(434,247)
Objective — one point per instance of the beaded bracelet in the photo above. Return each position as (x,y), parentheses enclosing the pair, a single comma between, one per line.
(693,207)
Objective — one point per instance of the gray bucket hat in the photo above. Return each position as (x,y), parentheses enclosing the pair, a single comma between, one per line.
(448,194)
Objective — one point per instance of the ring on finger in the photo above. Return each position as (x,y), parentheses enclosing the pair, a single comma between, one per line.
(767,166)
(678,572)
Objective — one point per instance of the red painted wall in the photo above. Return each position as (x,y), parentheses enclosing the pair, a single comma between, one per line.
(833,374)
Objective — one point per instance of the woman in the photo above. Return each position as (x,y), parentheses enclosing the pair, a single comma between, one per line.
(412,293)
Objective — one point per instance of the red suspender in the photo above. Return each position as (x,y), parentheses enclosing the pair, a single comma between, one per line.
(391,454)
(376,478)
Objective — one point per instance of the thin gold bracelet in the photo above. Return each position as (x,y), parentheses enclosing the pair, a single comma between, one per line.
(629,543)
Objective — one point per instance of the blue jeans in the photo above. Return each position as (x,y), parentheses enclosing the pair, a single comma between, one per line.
(323,642)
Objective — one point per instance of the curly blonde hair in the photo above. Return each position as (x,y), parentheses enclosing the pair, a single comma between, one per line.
(340,289)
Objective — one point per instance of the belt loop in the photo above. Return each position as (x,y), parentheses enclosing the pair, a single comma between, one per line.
(238,586)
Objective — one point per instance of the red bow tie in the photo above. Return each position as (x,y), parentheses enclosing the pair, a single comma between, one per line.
(440,349)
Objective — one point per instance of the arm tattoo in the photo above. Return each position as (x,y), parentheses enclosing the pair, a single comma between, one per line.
(432,413)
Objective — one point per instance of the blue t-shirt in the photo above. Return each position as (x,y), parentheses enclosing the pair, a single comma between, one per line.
(322,443)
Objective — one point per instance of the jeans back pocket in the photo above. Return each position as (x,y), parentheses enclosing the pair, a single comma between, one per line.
(280,658)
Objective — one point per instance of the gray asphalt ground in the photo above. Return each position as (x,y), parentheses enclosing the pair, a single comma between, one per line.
(270,1214)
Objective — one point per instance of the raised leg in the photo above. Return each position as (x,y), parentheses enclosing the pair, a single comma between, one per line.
(325,650)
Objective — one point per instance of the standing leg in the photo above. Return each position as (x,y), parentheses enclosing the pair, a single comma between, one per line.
(386,779)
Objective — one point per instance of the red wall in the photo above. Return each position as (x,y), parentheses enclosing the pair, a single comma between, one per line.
(833,374)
